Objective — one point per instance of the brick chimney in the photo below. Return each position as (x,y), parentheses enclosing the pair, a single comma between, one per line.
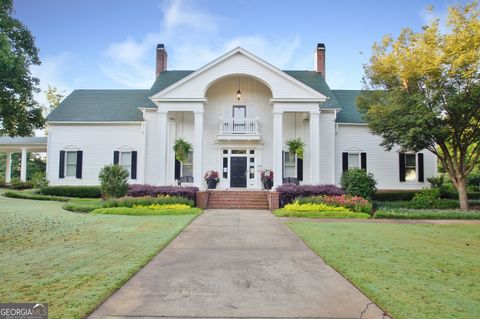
(161,64)
(320,58)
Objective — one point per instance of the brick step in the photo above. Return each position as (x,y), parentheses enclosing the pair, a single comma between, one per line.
(237,200)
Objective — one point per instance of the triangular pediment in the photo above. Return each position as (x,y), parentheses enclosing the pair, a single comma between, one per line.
(238,62)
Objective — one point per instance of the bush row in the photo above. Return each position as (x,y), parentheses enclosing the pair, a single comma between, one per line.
(147,201)
(138,211)
(138,190)
(72,191)
(35,196)
(354,203)
(290,192)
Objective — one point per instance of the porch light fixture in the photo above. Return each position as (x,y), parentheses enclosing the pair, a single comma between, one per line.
(239,94)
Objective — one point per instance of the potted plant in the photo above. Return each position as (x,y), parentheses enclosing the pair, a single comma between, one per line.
(295,147)
(212,179)
(182,148)
(267,178)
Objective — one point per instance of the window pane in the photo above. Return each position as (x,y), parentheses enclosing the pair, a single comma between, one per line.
(410,174)
(125,158)
(239,112)
(72,158)
(290,171)
(187,170)
(289,159)
(189,159)
(410,160)
(353,160)
(71,170)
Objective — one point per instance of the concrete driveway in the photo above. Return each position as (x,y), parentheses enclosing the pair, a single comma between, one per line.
(237,264)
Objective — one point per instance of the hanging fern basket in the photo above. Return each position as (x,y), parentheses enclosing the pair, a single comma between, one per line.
(182,148)
(295,147)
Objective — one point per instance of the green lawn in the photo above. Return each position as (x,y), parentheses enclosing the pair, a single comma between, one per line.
(74,261)
(411,271)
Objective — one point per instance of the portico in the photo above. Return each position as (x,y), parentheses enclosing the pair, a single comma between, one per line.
(23,145)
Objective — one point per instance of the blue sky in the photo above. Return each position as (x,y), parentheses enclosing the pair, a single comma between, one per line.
(111,43)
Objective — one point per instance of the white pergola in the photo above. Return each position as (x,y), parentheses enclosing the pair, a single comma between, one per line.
(10,145)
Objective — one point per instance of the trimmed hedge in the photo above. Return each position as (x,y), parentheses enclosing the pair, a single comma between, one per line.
(143,211)
(72,191)
(31,195)
(289,192)
(426,214)
(391,196)
(138,190)
(454,195)
(83,205)
(20,185)
(147,201)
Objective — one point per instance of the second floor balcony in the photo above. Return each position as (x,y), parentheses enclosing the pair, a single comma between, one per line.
(239,128)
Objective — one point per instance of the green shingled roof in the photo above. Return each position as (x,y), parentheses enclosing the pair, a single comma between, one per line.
(349,112)
(101,105)
(123,105)
(316,81)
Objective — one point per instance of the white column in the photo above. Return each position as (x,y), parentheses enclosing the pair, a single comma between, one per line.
(23,166)
(8,168)
(162,156)
(277,147)
(314,147)
(198,149)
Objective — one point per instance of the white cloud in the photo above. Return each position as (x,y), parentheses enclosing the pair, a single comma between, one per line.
(192,39)
(53,71)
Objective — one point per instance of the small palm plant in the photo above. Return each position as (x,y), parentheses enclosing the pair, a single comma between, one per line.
(182,148)
(295,147)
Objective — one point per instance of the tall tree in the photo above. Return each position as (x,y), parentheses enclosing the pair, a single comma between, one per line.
(424,92)
(19,113)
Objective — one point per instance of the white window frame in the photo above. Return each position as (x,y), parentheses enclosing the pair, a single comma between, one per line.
(71,165)
(290,162)
(128,166)
(411,167)
(182,164)
(359,162)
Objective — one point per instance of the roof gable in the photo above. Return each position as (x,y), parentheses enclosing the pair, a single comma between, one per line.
(239,62)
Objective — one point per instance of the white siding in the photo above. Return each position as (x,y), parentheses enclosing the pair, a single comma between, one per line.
(98,142)
(327,147)
(382,164)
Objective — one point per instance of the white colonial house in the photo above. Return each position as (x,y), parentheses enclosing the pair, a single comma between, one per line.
(238,111)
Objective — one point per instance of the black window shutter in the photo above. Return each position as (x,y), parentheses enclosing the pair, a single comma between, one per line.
(420,167)
(283,164)
(401,164)
(344,161)
(177,168)
(300,169)
(133,172)
(79,164)
(116,157)
(363,161)
(61,167)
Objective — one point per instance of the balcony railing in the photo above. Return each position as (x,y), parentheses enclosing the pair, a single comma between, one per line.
(239,126)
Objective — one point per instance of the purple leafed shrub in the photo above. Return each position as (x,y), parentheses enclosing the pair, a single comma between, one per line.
(138,190)
(288,192)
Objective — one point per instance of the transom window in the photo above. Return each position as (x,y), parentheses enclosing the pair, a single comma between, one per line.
(125,161)
(410,167)
(71,164)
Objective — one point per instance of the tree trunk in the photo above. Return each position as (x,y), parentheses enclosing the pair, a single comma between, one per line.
(462,192)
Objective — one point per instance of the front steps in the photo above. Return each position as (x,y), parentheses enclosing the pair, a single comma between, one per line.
(237,199)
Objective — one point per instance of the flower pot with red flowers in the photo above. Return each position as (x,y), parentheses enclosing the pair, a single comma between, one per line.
(212,178)
(267,178)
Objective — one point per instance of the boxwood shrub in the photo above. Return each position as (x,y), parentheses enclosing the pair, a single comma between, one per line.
(72,191)
(391,196)
(289,192)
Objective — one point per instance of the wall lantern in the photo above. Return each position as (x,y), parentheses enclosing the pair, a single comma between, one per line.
(239,94)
